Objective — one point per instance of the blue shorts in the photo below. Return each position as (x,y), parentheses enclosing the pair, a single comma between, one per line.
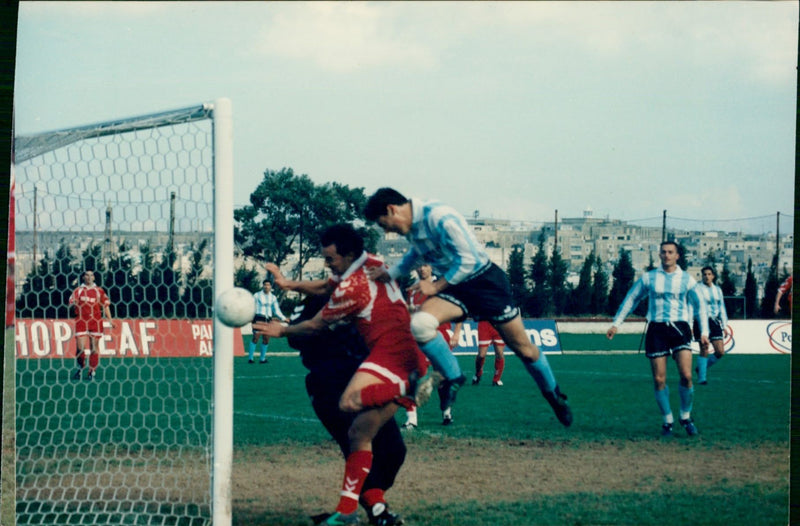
(664,339)
(484,296)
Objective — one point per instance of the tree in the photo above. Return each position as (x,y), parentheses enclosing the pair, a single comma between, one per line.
(557,283)
(770,290)
(516,274)
(581,296)
(34,299)
(288,212)
(682,261)
(119,282)
(750,291)
(599,302)
(536,303)
(247,277)
(728,287)
(623,275)
(198,291)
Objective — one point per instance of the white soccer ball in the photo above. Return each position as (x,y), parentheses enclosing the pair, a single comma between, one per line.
(235,307)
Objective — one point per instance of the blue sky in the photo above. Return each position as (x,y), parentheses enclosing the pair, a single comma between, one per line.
(513,109)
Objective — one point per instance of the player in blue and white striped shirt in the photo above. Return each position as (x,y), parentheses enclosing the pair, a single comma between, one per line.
(717,321)
(266,308)
(469,284)
(669,291)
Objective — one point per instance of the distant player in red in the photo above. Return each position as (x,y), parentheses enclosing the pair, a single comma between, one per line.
(415,301)
(488,335)
(785,288)
(390,375)
(90,303)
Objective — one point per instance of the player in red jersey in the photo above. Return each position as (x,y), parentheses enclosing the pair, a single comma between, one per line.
(488,335)
(390,376)
(415,301)
(90,303)
(785,288)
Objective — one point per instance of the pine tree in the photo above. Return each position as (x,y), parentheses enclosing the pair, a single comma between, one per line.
(599,304)
(537,302)
(750,292)
(623,275)
(516,274)
(770,290)
(581,297)
(557,283)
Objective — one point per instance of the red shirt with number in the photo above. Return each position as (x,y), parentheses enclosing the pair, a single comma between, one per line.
(89,301)
(382,318)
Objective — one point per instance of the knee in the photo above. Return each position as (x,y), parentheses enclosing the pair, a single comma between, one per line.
(423,326)
(350,402)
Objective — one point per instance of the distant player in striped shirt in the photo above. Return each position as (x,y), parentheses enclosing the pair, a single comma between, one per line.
(266,308)
(469,284)
(717,321)
(669,291)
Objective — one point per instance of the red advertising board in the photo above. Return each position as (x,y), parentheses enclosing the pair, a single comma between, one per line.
(128,338)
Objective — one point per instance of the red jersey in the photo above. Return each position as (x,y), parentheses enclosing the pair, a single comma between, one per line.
(378,309)
(488,335)
(786,288)
(89,302)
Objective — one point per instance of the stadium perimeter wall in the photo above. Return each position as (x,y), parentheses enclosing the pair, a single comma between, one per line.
(131,338)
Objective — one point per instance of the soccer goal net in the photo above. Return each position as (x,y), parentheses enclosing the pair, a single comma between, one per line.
(114,424)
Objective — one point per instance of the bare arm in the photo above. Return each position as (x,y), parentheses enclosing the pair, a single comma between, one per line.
(314,287)
(274,329)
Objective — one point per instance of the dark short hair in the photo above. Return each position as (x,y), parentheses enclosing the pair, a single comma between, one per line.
(670,242)
(266,281)
(347,240)
(380,200)
(713,272)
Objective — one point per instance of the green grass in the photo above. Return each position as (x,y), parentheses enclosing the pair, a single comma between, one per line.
(746,401)
(745,408)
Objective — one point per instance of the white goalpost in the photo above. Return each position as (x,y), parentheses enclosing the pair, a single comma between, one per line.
(146,203)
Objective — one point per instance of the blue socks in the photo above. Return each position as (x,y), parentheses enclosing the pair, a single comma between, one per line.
(687,398)
(442,358)
(542,373)
(702,368)
(252,349)
(662,399)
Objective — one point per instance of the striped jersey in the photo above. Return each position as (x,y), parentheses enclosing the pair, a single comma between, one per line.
(440,236)
(715,302)
(669,297)
(267,305)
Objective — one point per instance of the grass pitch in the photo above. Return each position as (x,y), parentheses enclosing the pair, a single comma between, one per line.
(507,461)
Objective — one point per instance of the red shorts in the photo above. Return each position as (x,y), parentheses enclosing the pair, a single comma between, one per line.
(488,335)
(443,330)
(393,357)
(90,327)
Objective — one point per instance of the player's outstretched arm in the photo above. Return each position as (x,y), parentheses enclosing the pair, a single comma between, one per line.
(314,287)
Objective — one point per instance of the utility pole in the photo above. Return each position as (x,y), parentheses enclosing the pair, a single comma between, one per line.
(777,238)
(35,222)
(107,240)
(664,226)
(555,233)
(171,238)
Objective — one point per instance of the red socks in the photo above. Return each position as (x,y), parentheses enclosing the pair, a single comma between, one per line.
(499,365)
(479,365)
(356,470)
